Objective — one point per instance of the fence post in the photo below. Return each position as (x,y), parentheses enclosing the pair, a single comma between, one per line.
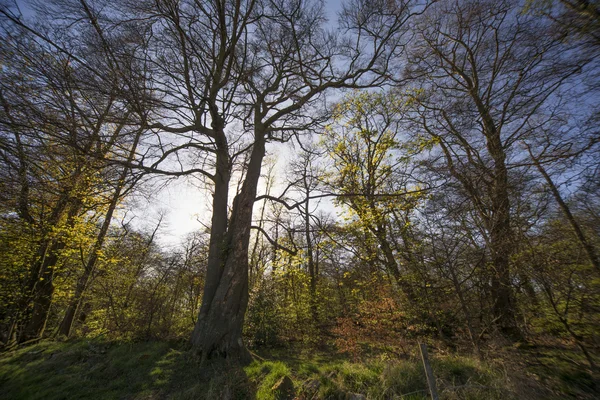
(428,372)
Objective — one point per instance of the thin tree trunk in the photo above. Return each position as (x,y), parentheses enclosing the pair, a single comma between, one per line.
(254,257)
(43,289)
(589,249)
(84,280)
(310,259)
(41,297)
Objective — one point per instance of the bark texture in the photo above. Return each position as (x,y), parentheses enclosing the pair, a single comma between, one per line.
(218,331)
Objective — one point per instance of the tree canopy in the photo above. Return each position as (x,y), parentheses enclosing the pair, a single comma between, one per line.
(411,170)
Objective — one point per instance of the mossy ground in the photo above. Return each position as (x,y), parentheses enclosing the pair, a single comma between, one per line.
(97,369)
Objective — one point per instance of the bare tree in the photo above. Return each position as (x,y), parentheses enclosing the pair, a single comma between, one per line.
(484,71)
(235,76)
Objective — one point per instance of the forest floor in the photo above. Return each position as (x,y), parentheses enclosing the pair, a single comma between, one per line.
(97,369)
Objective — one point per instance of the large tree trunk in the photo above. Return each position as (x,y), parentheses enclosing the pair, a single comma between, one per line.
(503,310)
(498,224)
(218,331)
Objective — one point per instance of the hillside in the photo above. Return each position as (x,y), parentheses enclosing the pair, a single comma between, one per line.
(98,369)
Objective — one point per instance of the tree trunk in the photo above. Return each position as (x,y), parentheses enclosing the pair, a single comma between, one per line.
(218,331)
(84,280)
(500,241)
(498,224)
(41,296)
(42,288)
(309,256)
(589,249)
(393,268)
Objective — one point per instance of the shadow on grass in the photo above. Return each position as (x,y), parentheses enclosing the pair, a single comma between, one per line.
(565,370)
(105,370)
(95,369)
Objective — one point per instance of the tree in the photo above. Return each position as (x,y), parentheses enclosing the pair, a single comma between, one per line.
(589,248)
(122,185)
(371,161)
(482,74)
(63,123)
(305,182)
(560,270)
(236,76)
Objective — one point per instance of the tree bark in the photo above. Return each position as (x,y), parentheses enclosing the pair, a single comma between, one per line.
(500,247)
(218,331)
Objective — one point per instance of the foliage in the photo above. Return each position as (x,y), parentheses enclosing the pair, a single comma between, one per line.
(376,324)
(449,196)
(143,292)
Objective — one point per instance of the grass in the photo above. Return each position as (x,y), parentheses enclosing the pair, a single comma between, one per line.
(84,369)
(87,370)
(565,372)
(331,377)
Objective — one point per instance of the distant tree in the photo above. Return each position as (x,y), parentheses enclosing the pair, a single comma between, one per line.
(371,175)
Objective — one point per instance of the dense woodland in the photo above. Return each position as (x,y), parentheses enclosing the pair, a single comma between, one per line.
(404,171)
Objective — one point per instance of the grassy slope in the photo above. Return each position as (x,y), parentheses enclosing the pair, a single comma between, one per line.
(159,370)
